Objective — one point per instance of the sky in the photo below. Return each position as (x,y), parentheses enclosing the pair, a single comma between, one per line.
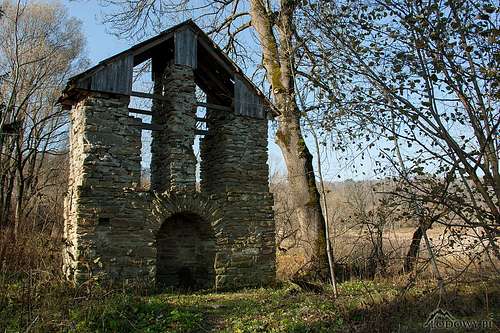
(101,44)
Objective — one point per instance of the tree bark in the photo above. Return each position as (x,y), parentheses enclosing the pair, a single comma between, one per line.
(278,62)
(412,253)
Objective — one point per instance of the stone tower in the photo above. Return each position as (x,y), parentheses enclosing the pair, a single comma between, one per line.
(220,235)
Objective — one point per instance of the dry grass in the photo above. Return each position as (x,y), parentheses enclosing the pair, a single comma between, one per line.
(352,251)
(382,305)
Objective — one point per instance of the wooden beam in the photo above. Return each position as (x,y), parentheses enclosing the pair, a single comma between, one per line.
(219,80)
(200,132)
(147,45)
(156,127)
(214,106)
(139,111)
(210,89)
(150,96)
(149,113)
(150,127)
(210,49)
(164,98)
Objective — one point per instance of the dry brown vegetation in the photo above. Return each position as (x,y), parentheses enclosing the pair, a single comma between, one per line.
(371,236)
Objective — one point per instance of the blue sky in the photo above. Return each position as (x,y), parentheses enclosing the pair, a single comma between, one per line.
(101,44)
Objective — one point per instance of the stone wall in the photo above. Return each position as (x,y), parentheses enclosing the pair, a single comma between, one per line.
(234,153)
(104,159)
(173,164)
(234,171)
(222,236)
(246,242)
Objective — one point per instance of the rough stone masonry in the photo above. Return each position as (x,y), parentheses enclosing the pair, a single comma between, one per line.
(221,236)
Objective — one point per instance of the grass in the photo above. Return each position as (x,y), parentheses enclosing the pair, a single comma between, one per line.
(35,298)
(364,306)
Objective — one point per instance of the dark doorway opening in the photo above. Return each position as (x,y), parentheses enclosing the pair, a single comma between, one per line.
(185,253)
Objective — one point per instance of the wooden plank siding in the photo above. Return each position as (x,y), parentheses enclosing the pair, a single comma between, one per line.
(246,101)
(114,77)
(186,45)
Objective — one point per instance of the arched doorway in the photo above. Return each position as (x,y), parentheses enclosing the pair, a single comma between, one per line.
(185,253)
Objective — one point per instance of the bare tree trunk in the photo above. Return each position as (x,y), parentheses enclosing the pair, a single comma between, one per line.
(411,255)
(278,61)
(302,182)
(19,205)
(20,183)
(18,213)
(7,200)
(7,182)
(329,251)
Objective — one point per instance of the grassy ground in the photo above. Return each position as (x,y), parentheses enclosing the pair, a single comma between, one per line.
(363,306)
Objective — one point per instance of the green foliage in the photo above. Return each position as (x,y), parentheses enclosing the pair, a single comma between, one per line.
(125,313)
(366,306)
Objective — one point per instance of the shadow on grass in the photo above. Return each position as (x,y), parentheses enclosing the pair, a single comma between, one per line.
(364,306)
(378,312)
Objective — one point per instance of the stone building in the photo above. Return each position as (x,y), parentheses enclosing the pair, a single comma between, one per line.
(219,234)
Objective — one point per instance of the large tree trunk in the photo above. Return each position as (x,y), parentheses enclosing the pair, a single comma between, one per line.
(278,61)
(306,197)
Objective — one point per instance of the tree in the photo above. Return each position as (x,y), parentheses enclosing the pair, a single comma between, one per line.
(422,79)
(234,23)
(41,47)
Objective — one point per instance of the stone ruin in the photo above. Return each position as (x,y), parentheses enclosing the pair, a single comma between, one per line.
(219,234)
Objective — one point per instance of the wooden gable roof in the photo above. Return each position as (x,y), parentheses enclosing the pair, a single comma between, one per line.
(185,44)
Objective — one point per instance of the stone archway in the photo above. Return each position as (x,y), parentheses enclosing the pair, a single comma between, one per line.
(185,229)
(185,256)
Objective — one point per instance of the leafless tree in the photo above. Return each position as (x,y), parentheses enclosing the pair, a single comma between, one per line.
(41,46)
